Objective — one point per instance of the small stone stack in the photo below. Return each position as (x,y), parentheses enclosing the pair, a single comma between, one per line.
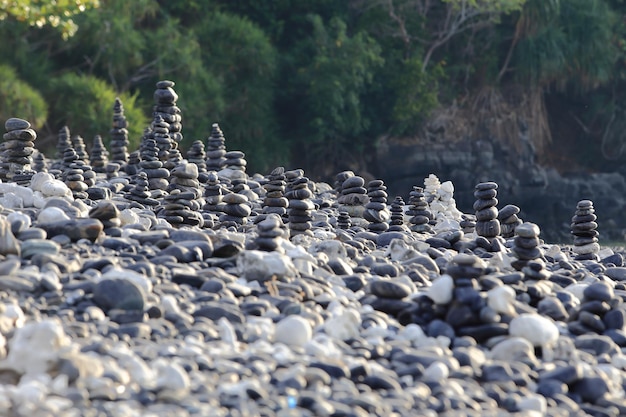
(236,210)
(353,196)
(133,165)
(431,187)
(397,216)
(174,158)
(583,228)
(165,106)
(525,245)
(275,201)
(468,223)
(197,155)
(161,134)
(73,174)
(236,163)
(508,220)
(487,224)
(81,150)
(108,214)
(17,151)
(300,207)
(270,234)
(213,194)
(113,170)
(339,180)
(182,208)
(39,162)
(185,178)
(343,220)
(419,212)
(119,134)
(216,149)
(152,166)
(99,155)
(63,142)
(140,192)
(376,211)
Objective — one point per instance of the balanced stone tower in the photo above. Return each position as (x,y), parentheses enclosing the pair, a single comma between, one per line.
(583,228)
(119,134)
(165,106)
(81,150)
(397,216)
(525,245)
(487,224)
(418,210)
(300,207)
(161,134)
(376,211)
(274,200)
(17,151)
(152,166)
(63,142)
(197,155)
(99,155)
(509,220)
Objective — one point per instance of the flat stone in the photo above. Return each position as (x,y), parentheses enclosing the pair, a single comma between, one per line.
(118,293)
(390,289)
(15,123)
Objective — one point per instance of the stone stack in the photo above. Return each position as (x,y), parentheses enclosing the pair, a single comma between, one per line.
(119,134)
(108,213)
(468,223)
(39,162)
(343,220)
(487,224)
(133,165)
(339,180)
(236,210)
(63,142)
(185,178)
(140,192)
(397,216)
(270,234)
(213,194)
(376,211)
(300,207)
(99,155)
(509,220)
(153,167)
(197,155)
(583,228)
(113,170)
(174,158)
(161,134)
(418,210)
(525,245)
(181,208)
(165,106)
(78,143)
(431,187)
(275,201)
(73,174)
(353,196)
(216,149)
(17,150)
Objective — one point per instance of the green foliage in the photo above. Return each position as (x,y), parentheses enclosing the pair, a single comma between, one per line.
(85,104)
(416,95)
(57,13)
(18,99)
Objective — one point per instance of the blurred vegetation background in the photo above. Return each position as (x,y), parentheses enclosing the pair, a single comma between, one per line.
(318,84)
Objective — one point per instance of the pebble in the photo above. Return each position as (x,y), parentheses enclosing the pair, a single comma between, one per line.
(293,331)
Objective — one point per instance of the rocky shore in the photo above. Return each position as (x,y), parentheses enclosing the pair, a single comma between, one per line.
(163,285)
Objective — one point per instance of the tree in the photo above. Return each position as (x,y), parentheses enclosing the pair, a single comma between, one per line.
(58,14)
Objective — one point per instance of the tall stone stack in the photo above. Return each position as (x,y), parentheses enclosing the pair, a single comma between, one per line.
(73,174)
(509,220)
(119,134)
(274,200)
(353,196)
(216,149)
(583,228)
(160,131)
(300,211)
(420,215)
(153,167)
(63,142)
(17,150)
(376,211)
(165,106)
(397,215)
(197,155)
(99,157)
(487,224)
(81,150)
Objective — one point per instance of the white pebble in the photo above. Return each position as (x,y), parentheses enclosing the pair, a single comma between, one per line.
(533,402)
(538,330)
(436,372)
(501,299)
(344,325)
(293,331)
(441,290)
(51,215)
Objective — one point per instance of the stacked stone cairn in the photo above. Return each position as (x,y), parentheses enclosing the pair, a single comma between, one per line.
(343,220)
(140,191)
(508,220)
(597,313)
(39,162)
(216,149)
(165,106)
(339,180)
(113,170)
(78,143)
(525,245)
(376,211)
(397,216)
(159,131)
(99,155)
(108,213)
(270,234)
(63,142)
(153,167)
(274,200)
(236,165)
(134,163)
(468,223)
(119,134)
(418,210)
(300,207)
(583,228)
(236,210)
(197,155)
(17,150)
(487,224)
(213,195)
(174,158)
(353,196)
(73,174)
(182,207)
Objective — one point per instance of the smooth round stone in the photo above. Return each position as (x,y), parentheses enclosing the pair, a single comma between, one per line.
(353,182)
(615,319)
(488,229)
(485,194)
(514,349)
(76,229)
(440,328)
(15,123)
(552,307)
(485,214)
(508,211)
(293,331)
(538,330)
(617,273)
(233,198)
(117,293)
(51,215)
(591,388)
(584,205)
(489,185)
(527,230)
(389,289)
(237,210)
(483,204)
(32,247)
(600,291)
(441,290)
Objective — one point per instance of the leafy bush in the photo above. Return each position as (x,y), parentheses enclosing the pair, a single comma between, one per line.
(85,104)
(19,99)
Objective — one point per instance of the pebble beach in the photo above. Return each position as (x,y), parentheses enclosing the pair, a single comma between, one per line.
(173,283)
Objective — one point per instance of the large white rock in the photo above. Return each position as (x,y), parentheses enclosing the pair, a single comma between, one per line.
(333,248)
(538,330)
(56,188)
(441,290)
(343,325)
(501,299)
(514,349)
(259,265)
(51,215)
(36,347)
(39,179)
(14,192)
(294,331)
